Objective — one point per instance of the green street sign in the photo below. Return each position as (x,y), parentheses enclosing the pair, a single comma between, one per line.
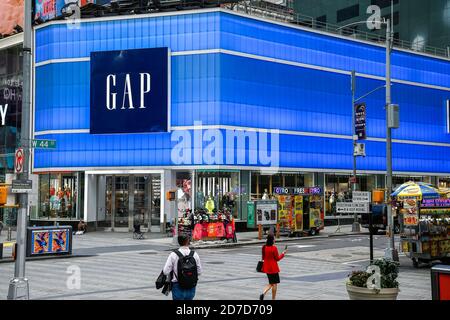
(44,144)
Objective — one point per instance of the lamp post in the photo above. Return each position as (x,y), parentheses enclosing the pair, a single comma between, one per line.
(18,286)
(390,252)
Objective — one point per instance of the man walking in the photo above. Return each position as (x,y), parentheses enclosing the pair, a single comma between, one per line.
(185,265)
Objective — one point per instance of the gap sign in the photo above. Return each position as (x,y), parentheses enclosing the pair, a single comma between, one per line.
(129,91)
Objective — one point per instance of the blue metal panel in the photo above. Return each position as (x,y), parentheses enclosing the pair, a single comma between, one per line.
(257,95)
(62,93)
(84,150)
(180,33)
(227,31)
(267,39)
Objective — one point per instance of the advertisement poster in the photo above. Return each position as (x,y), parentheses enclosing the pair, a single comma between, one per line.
(360,121)
(410,217)
(298,212)
(59,241)
(14,16)
(266,212)
(314,218)
(41,243)
(50,9)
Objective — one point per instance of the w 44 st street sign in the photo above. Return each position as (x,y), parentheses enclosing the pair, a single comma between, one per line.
(43,144)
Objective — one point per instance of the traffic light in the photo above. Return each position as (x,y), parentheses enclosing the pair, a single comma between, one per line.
(3,195)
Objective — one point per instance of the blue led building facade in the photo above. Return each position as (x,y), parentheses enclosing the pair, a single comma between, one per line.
(230,72)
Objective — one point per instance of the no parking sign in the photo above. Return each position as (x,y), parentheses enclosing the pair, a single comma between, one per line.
(19,160)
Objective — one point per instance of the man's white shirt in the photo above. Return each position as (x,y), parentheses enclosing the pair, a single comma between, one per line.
(172,263)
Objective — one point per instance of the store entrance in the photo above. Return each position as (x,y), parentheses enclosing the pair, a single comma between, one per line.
(129,200)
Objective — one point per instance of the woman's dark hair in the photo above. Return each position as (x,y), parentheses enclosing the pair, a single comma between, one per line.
(270,240)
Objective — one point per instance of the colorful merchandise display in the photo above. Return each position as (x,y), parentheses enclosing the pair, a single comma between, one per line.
(203,225)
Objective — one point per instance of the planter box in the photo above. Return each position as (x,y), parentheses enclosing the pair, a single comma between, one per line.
(358,293)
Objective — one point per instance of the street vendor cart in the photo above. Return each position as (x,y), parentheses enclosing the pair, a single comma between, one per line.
(424,223)
(300,210)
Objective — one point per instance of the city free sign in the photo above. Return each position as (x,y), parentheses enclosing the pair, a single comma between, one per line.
(352,207)
(22,186)
(44,144)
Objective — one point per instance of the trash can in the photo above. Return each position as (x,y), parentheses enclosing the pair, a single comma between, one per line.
(440,282)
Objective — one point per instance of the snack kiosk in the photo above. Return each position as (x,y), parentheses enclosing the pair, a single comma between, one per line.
(300,210)
(425,230)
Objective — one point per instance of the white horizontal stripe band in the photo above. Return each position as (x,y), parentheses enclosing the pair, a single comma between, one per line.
(11,41)
(67,60)
(45,132)
(268,59)
(244,168)
(286,132)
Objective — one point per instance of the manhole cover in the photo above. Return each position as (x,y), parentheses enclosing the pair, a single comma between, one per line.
(360,253)
(215,262)
(148,252)
(341,255)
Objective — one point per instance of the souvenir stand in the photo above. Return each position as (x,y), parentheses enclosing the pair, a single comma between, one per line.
(424,223)
(207,224)
(300,210)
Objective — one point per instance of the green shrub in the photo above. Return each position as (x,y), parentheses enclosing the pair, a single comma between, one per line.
(388,270)
(359,278)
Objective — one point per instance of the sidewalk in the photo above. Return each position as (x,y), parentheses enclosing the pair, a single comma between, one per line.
(251,237)
(101,241)
(247,238)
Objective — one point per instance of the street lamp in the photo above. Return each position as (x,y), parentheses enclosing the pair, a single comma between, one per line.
(18,286)
(390,253)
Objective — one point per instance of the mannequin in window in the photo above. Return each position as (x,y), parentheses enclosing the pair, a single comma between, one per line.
(210,204)
(200,199)
(265,195)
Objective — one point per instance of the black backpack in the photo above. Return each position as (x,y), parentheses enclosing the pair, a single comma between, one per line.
(187,270)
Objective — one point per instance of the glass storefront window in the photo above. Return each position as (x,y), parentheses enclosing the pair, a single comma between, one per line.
(262,183)
(338,189)
(58,196)
(221,186)
(184,190)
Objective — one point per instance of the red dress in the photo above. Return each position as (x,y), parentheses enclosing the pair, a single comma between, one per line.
(271,258)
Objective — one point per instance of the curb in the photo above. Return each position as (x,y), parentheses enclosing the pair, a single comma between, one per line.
(256,242)
(9,260)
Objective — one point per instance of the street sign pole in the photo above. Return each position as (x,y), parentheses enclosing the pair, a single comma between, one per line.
(390,252)
(18,286)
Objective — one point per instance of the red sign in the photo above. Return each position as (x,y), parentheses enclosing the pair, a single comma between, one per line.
(19,160)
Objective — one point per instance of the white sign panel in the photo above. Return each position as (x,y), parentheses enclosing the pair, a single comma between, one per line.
(266,212)
(361,196)
(352,207)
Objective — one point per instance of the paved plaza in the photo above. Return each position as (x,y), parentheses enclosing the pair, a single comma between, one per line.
(114,266)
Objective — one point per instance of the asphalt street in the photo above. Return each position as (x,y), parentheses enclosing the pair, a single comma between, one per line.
(313,269)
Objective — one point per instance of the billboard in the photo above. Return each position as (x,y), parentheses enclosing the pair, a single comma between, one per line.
(129,91)
(49,240)
(50,9)
(11,15)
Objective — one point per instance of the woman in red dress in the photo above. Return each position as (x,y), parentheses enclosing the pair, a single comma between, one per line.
(270,266)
